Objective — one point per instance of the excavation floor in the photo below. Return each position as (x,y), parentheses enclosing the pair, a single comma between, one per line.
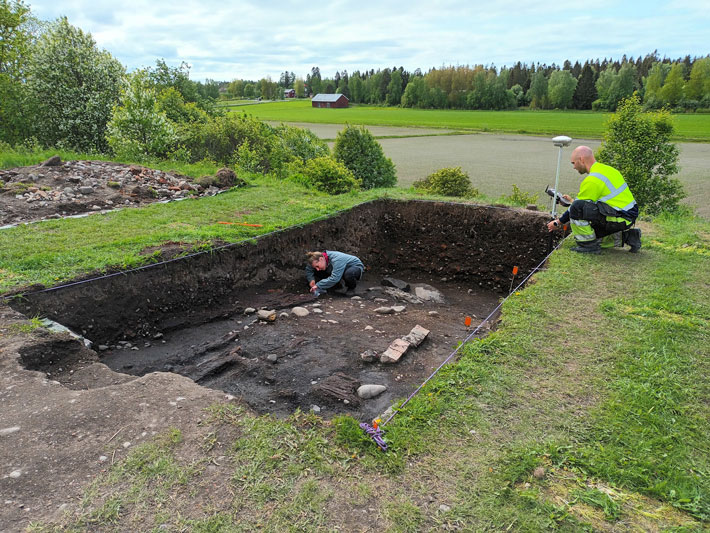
(313,362)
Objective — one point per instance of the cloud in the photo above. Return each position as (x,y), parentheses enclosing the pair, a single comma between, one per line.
(250,39)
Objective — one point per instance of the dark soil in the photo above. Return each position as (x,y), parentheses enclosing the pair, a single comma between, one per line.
(233,354)
(188,316)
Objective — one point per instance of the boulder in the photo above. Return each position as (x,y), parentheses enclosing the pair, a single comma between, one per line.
(416,336)
(429,294)
(300,311)
(53,161)
(370,391)
(226,178)
(395,351)
(396,283)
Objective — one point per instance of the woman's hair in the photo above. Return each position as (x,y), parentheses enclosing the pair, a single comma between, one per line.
(311,257)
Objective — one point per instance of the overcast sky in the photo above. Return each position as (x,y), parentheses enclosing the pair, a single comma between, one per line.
(224,40)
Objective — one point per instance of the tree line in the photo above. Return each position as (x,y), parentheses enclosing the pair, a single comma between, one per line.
(681,84)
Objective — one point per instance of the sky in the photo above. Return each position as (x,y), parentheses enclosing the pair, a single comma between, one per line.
(239,39)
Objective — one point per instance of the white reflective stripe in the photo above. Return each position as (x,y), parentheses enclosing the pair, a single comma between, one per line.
(604,179)
(627,207)
(580,222)
(585,237)
(614,191)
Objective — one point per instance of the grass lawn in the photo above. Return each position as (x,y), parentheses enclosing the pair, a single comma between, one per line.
(578,124)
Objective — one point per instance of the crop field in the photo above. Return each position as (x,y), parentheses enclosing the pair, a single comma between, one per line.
(497,161)
(583,124)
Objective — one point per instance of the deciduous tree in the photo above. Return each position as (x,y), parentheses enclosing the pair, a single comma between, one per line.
(73,87)
(638,145)
(537,94)
(561,89)
(698,86)
(15,44)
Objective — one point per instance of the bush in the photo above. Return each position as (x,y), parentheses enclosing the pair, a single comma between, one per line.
(328,175)
(301,144)
(638,145)
(357,149)
(235,140)
(448,182)
(521,198)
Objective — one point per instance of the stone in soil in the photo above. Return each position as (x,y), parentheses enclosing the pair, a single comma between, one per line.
(397,283)
(370,391)
(416,336)
(395,351)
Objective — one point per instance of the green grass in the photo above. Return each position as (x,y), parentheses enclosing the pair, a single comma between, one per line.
(578,124)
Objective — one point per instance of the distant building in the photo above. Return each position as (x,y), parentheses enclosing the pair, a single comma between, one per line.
(329,100)
(289,93)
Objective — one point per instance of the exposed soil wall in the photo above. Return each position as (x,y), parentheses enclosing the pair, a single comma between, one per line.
(478,244)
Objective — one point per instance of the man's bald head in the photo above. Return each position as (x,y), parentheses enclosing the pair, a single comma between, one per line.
(582,159)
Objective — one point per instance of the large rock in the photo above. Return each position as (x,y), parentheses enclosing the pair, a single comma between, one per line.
(300,311)
(395,351)
(398,294)
(226,178)
(416,336)
(396,283)
(370,391)
(429,294)
(53,161)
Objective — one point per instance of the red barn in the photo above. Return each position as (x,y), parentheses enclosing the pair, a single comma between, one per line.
(329,100)
(289,93)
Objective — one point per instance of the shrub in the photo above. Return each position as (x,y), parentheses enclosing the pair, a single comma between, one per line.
(521,198)
(137,127)
(638,145)
(328,175)
(235,140)
(448,182)
(301,143)
(357,149)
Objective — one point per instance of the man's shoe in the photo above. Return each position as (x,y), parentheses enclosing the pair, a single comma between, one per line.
(350,293)
(632,237)
(591,247)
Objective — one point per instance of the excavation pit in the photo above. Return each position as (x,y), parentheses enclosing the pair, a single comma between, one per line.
(191,315)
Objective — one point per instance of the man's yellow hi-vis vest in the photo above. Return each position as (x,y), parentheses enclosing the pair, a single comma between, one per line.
(606,184)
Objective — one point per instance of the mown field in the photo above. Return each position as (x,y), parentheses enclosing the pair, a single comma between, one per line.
(583,124)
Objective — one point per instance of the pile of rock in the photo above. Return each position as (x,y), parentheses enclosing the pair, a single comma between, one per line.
(74,186)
